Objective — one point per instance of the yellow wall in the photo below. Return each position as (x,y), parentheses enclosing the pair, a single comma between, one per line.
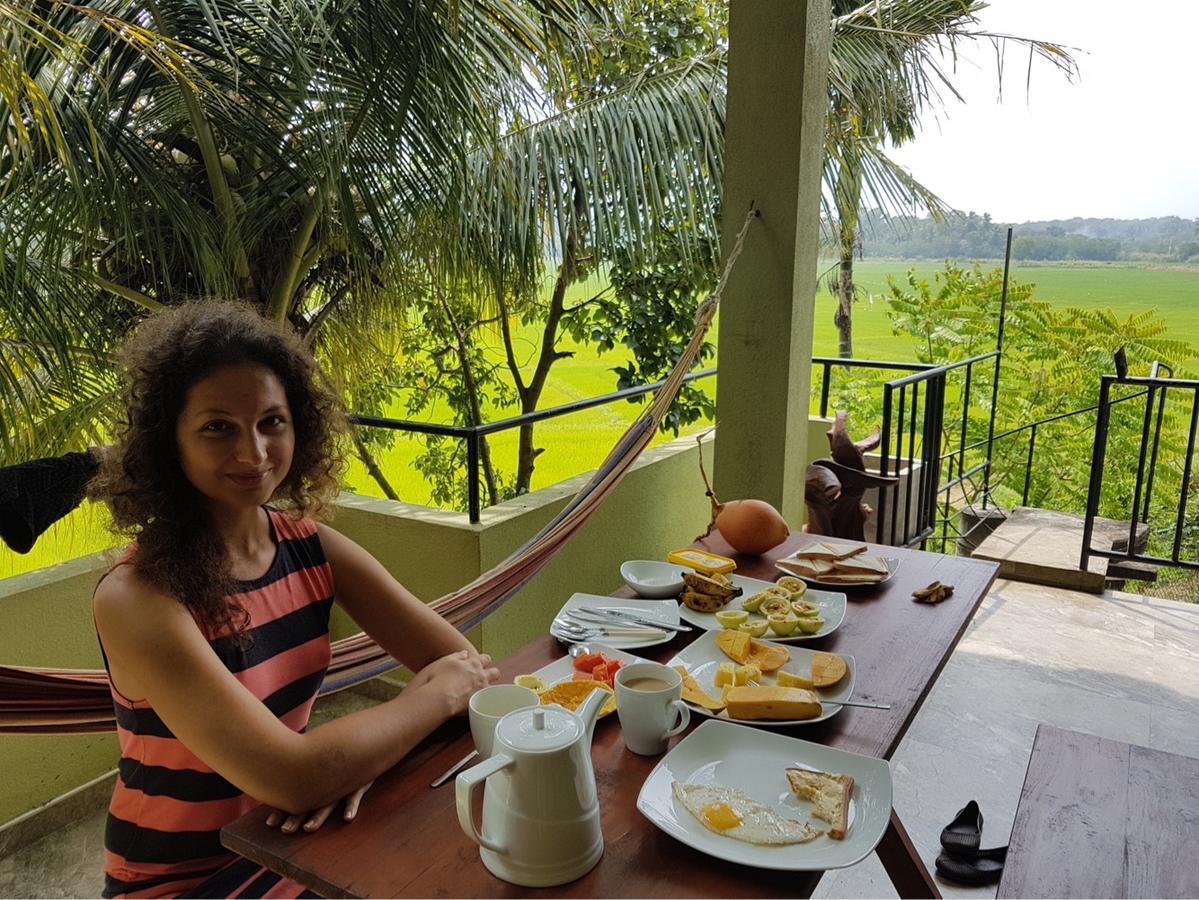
(46,620)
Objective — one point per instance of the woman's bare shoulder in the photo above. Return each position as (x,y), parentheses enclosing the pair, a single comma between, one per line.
(126,600)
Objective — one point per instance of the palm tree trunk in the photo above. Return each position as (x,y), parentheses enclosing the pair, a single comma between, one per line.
(843,316)
(847,195)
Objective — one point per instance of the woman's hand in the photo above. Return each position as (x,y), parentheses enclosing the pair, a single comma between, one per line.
(455,677)
(315,820)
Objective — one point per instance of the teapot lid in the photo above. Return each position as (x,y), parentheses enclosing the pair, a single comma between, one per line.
(539,729)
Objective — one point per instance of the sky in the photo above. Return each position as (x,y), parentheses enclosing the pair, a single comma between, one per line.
(1120,141)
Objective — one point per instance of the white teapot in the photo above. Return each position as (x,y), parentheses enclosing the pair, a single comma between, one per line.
(541,821)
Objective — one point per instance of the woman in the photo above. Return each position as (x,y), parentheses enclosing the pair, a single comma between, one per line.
(214,624)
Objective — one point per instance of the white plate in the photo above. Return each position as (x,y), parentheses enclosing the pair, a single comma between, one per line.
(563,669)
(702,657)
(832,610)
(755,762)
(892,565)
(666,611)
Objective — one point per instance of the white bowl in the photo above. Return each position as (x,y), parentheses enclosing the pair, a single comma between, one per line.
(651,578)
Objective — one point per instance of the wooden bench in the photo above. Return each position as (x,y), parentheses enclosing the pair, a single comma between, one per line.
(1100,818)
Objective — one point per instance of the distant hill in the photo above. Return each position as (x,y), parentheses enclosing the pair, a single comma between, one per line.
(975,236)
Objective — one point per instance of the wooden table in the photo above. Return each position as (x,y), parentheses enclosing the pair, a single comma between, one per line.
(406,841)
(1100,818)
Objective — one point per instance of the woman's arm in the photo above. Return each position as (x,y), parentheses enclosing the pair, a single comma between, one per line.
(383,608)
(153,644)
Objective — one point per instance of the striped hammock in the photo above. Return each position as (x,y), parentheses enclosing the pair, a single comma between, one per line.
(77,701)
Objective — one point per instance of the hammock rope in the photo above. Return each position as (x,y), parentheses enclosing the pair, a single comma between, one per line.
(77,701)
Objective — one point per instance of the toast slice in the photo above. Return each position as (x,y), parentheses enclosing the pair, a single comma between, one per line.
(829,795)
(862,564)
(830,550)
(812,568)
(852,578)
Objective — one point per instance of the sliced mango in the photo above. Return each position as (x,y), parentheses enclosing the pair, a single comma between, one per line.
(789,679)
(767,657)
(693,693)
(734,644)
(827,669)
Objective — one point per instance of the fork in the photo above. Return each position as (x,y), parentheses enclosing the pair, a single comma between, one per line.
(576,631)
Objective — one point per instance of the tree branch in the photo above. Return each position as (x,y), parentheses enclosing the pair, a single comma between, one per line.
(285,284)
(142,300)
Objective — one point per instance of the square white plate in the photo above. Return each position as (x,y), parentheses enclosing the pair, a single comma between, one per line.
(703,657)
(832,610)
(659,610)
(720,753)
(891,562)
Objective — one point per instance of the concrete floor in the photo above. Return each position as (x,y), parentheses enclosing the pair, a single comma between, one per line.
(1120,666)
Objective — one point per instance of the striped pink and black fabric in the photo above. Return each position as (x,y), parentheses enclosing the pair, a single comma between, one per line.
(162,838)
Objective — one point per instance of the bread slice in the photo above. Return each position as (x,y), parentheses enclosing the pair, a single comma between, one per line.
(852,578)
(862,564)
(830,550)
(829,795)
(812,568)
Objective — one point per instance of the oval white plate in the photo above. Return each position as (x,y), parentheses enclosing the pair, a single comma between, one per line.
(702,657)
(832,610)
(659,610)
(719,753)
(892,565)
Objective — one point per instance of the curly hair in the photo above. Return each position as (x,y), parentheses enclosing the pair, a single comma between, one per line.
(179,551)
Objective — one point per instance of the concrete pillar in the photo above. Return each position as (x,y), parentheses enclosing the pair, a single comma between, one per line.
(774,153)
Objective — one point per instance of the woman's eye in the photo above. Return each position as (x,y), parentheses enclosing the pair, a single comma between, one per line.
(216,425)
(273,421)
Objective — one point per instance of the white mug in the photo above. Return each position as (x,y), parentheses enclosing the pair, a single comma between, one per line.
(648,698)
(490,704)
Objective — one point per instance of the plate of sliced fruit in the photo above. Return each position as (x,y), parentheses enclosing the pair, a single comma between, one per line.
(568,680)
(728,674)
(787,611)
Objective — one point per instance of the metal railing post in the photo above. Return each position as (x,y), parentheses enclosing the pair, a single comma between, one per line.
(1032,445)
(1095,485)
(1186,477)
(882,465)
(472,475)
(824,389)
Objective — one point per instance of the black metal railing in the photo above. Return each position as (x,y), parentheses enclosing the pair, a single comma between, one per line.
(1155,389)
(474,435)
(917,442)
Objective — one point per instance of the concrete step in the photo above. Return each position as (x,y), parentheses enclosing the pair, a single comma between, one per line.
(1043,547)
(1131,570)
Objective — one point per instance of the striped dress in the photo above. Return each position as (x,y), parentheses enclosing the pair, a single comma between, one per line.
(162,837)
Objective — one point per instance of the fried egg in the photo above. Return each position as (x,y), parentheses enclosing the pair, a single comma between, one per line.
(735,814)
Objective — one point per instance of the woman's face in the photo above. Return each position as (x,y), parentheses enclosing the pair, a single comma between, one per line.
(235,435)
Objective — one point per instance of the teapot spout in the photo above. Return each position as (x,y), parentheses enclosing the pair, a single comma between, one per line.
(589,711)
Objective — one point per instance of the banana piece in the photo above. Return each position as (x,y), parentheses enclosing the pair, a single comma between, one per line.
(703,584)
(707,603)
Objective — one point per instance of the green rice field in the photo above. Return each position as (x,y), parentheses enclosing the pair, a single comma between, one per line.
(578,442)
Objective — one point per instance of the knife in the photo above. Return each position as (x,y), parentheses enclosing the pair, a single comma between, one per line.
(453,770)
(629,617)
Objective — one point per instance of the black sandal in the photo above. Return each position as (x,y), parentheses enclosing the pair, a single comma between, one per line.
(985,868)
(963,834)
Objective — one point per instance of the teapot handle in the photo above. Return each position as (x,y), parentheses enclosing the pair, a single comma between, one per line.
(465,786)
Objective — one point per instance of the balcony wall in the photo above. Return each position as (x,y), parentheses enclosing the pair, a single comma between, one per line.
(45,616)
